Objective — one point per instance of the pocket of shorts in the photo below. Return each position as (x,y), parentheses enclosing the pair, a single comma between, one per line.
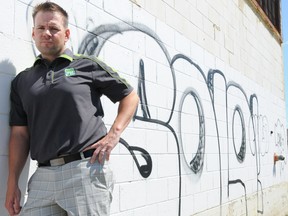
(30,181)
(102,176)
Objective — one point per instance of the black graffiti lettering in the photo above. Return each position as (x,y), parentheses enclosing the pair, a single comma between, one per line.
(241,154)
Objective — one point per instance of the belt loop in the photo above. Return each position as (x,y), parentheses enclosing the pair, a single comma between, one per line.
(82,155)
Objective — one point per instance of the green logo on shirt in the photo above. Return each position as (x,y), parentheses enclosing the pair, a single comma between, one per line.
(70,72)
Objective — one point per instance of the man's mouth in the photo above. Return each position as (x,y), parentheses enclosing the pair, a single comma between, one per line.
(46,41)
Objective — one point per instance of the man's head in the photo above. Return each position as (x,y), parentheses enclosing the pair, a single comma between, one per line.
(51,7)
(50,31)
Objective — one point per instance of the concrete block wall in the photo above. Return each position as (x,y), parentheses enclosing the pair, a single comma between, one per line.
(212,113)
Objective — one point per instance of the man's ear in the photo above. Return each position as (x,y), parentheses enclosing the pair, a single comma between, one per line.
(33,34)
(67,34)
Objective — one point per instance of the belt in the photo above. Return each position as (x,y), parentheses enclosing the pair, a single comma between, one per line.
(67,158)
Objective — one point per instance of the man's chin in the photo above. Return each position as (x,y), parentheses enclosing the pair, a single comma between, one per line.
(48,52)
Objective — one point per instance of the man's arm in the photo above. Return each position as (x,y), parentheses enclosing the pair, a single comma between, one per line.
(126,109)
(18,153)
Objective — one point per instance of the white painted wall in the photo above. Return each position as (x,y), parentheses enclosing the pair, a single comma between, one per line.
(221,35)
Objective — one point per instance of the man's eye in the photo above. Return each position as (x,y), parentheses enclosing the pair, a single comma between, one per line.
(54,29)
(40,27)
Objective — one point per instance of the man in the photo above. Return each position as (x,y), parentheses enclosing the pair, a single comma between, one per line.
(56,116)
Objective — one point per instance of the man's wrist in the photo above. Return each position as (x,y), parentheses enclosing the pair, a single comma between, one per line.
(12,180)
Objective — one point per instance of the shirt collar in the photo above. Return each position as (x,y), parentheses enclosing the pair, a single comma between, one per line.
(67,54)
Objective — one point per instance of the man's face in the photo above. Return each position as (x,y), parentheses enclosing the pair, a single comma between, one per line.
(50,34)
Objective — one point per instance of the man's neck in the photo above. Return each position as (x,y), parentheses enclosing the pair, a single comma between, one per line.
(51,58)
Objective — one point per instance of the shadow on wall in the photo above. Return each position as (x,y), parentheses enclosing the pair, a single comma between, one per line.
(7,73)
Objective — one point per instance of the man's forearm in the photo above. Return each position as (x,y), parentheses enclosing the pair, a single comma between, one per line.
(18,152)
(126,110)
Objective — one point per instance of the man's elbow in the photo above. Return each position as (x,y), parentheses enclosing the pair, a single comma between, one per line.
(134,98)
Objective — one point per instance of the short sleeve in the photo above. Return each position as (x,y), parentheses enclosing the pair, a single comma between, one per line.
(109,82)
(18,116)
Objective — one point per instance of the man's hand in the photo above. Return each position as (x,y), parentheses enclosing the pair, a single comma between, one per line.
(104,147)
(18,153)
(13,197)
(126,110)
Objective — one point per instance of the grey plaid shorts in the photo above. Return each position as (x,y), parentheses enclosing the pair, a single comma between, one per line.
(76,188)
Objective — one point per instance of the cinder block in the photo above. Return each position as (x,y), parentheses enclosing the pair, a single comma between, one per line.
(4,128)
(182,44)
(183,7)
(121,9)
(168,208)
(157,190)
(174,19)
(5,83)
(168,160)
(7,21)
(165,33)
(96,17)
(200,201)
(97,3)
(142,17)
(123,167)
(156,8)
(173,188)
(147,210)
(14,62)
(187,205)
(111,57)
(115,207)
(23,21)
(133,195)
(4,176)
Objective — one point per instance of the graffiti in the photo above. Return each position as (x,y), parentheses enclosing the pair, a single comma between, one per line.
(241,154)
(281,148)
(196,163)
(245,130)
(145,170)
(93,44)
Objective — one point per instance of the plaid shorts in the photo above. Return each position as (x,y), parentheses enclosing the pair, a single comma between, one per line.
(76,188)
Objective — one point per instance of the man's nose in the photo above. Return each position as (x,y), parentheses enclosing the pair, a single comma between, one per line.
(47,32)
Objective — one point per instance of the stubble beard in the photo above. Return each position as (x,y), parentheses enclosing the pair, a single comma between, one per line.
(52,51)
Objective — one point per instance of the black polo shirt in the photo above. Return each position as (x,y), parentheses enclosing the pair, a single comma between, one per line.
(60,103)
